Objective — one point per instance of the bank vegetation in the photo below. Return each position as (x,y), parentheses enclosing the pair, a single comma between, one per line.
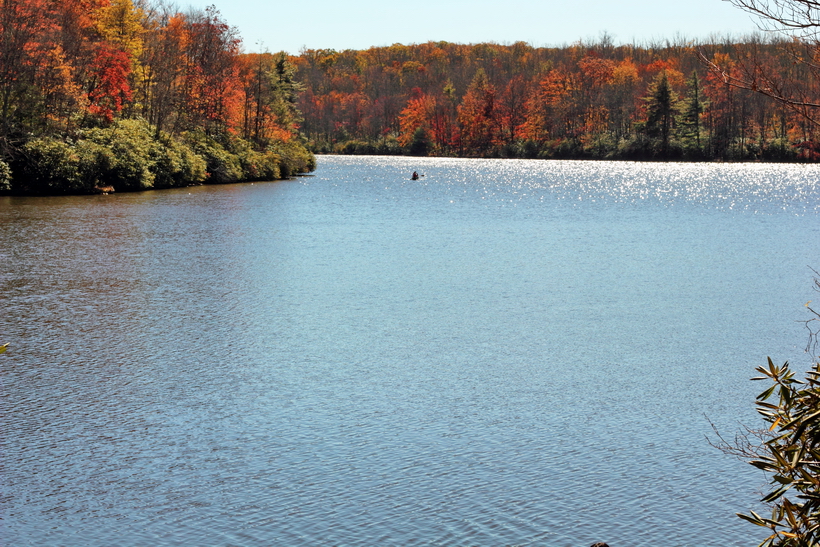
(672,100)
(122,95)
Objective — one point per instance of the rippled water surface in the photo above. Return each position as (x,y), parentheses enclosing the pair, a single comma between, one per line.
(501,353)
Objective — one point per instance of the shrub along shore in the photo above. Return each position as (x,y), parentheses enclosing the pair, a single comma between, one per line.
(129,156)
(120,95)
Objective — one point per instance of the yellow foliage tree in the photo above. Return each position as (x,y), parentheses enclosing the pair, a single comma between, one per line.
(121,24)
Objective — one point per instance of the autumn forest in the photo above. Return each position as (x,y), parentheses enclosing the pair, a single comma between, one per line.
(105,95)
(596,100)
(117,95)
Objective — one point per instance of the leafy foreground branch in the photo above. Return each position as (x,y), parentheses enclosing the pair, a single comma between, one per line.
(791,455)
(788,449)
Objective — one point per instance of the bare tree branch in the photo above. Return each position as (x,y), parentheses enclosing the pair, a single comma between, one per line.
(748,444)
(754,76)
(802,16)
(813,323)
(798,21)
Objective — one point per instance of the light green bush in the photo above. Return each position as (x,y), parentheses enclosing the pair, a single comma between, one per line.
(5,177)
(138,160)
(295,158)
(130,143)
(260,165)
(175,164)
(222,166)
(50,166)
(128,156)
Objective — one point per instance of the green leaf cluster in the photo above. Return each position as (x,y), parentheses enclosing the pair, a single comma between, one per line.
(791,455)
(294,158)
(222,165)
(53,165)
(129,155)
(125,156)
(5,176)
(233,159)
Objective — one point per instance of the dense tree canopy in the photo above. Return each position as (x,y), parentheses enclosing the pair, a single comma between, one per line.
(71,69)
(585,100)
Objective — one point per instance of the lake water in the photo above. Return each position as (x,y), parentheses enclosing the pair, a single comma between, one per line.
(501,353)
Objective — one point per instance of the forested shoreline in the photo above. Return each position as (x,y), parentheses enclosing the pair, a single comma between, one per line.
(587,101)
(122,95)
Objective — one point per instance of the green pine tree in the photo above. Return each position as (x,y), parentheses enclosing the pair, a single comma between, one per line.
(661,105)
(690,110)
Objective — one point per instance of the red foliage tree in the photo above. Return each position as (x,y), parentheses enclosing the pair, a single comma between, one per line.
(212,89)
(110,89)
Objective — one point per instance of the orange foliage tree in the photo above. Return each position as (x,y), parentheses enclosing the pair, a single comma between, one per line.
(211,89)
(478,117)
(417,115)
(110,88)
(585,100)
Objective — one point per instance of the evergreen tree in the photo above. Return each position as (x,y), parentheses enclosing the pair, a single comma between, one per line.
(661,104)
(691,108)
(420,145)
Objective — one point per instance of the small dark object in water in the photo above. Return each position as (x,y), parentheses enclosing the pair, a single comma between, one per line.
(415,176)
(602,544)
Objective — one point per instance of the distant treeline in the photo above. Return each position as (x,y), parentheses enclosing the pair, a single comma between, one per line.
(594,100)
(101,95)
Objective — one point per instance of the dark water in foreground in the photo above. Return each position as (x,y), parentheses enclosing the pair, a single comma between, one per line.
(502,353)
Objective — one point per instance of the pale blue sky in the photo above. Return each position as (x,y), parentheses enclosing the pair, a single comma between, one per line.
(359,24)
